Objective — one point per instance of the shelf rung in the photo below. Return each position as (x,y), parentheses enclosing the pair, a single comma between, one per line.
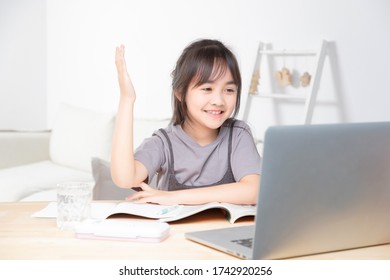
(288,52)
(279,96)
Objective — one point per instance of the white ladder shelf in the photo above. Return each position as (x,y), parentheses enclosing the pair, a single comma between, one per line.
(309,98)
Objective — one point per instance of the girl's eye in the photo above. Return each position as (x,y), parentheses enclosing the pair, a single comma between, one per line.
(207,89)
(230,90)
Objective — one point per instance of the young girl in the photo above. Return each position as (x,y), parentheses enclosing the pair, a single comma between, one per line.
(204,155)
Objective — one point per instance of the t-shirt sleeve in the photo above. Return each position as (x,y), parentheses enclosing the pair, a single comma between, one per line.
(245,159)
(150,154)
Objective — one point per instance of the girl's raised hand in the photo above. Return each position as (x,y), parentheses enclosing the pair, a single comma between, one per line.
(125,84)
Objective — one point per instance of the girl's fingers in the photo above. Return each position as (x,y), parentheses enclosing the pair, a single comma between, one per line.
(141,200)
(145,187)
(144,191)
(133,197)
(120,58)
(138,198)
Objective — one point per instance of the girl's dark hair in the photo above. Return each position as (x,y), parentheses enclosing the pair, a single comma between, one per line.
(197,64)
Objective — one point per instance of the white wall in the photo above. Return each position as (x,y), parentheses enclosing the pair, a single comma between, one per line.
(23,64)
(82,35)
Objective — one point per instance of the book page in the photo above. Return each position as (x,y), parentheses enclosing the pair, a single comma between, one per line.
(233,211)
(102,210)
(187,211)
(143,210)
(50,211)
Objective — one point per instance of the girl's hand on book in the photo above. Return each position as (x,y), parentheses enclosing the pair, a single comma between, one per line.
(148,194)
(125,84)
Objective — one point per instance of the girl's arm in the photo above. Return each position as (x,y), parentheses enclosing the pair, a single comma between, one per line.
(125,171)
(243,192)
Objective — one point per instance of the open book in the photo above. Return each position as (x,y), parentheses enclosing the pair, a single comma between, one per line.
(175,212)
(103,210)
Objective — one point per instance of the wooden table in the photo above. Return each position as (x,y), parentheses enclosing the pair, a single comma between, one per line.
(24,237)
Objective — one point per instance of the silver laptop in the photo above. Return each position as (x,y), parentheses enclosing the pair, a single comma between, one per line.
(323,188)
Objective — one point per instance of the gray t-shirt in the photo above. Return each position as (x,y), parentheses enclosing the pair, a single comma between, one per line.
(197,165)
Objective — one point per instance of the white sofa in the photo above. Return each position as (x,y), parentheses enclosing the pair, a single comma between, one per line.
(76,149)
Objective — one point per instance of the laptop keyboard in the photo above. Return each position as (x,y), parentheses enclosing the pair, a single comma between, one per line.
(247,242)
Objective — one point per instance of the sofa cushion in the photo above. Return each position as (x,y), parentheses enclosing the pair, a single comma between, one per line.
(80,134)
(48,195)
(23,147)
(19,182)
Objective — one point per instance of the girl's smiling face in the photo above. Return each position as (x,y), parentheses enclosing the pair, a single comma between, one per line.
(210,104)
(207,68)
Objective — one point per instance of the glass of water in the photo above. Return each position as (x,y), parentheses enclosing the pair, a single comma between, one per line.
(73,203)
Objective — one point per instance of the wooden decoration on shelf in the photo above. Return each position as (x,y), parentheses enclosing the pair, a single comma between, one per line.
(284,77)
(255,81)
(305,79)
